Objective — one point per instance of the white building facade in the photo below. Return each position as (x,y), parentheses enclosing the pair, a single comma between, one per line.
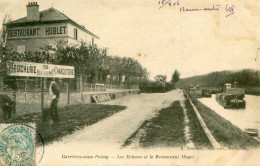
(46,28)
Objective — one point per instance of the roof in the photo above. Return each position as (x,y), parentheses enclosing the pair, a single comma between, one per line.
(50,15)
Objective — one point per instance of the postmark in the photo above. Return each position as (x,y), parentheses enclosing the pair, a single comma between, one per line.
(17,144)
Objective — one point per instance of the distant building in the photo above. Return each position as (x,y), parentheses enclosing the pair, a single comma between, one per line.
(160,78)
(45,28)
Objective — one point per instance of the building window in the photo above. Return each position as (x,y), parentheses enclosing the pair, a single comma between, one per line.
(75,34)
(21,48)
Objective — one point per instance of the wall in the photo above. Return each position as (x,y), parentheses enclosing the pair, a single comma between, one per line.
(34,41)
(34,44)
(82,36)
(37,36)
(31,101)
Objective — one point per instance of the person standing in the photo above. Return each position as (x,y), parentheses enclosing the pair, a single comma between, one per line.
(55,97)
(7,105)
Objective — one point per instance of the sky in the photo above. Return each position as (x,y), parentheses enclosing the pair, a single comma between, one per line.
(166,39)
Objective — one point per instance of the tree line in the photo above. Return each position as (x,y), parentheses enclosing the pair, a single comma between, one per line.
(245,78)
(93,63)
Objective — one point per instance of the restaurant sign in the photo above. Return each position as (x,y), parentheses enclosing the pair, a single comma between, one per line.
(37,31)
(30,69)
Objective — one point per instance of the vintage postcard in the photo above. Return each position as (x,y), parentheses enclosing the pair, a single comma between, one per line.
(132,82)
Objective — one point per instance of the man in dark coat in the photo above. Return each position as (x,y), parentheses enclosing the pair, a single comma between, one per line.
(7,106)
(55,96)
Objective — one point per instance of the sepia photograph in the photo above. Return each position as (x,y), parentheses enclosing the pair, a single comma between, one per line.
(133,82)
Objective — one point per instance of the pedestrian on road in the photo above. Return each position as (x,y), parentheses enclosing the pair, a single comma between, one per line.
(55,97)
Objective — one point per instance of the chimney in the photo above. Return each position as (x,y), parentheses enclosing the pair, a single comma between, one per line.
(33,11)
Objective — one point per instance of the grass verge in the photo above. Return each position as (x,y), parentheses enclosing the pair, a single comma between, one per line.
(198,136)
(224,131)
(72,118)
(164,130)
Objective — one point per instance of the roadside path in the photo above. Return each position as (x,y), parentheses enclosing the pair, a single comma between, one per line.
(110,133)
(117,128)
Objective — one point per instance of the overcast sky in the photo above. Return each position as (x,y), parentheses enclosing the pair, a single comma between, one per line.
(166,39)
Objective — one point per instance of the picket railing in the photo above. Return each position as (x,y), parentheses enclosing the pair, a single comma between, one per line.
(94,88)
(104,87)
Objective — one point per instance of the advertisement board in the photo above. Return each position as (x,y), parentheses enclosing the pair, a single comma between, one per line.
(31,69)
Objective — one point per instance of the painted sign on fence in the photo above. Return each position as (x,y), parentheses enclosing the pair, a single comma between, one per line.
(30,69)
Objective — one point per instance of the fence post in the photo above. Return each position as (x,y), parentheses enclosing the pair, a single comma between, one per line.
(79,83)
(25,95)
(68,94)
(42,93)
(14,99)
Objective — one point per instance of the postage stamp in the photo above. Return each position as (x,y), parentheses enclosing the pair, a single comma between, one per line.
(17,144)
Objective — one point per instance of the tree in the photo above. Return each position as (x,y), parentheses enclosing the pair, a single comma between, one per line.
(175,77)
(7,19)
(93,63)
(245,78)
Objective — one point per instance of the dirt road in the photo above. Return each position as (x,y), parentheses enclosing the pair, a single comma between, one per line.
(110,133)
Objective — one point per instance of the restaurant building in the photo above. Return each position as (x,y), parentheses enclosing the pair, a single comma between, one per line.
(40,29)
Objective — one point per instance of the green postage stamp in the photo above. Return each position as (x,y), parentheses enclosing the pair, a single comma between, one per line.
(17,144)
